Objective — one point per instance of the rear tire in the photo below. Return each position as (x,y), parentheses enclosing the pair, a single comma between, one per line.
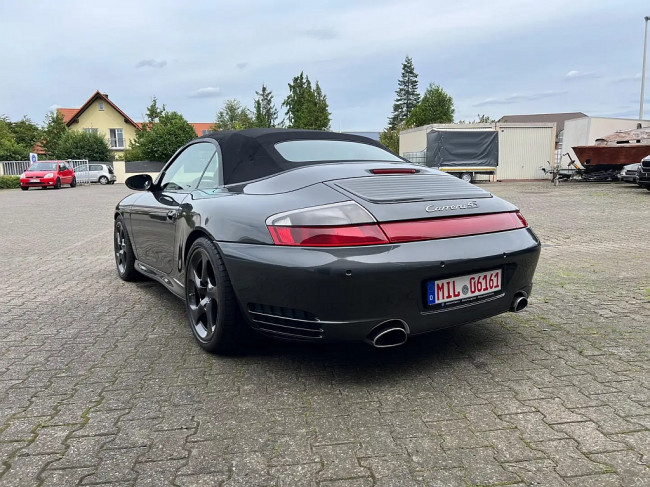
(103,180)
(210,301)
(73,183)
(124,256)
(467,177)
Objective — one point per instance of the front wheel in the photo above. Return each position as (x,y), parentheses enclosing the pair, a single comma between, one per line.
(57,185)
(210,301)
(124,256)
(73,183)
(103,180)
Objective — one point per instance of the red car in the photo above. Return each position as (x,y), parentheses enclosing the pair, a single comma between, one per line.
(46,174)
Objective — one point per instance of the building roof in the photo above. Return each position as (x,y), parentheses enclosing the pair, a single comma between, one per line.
(67,113)
(557,118)
(201,126)
(70,118)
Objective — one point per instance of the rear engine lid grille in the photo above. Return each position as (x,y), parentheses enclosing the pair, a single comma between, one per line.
(285,322)
(415,187)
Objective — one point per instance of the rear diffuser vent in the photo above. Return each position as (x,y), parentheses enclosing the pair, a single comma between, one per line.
(285,322)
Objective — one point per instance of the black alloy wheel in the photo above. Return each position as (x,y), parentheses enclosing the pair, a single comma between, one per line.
(210,301)
(73,183)
(57,185)
(103,180)
(124,257)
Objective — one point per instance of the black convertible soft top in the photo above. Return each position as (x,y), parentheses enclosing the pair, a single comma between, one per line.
(250,154)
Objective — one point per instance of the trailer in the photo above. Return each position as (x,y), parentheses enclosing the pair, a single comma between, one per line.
(463,153)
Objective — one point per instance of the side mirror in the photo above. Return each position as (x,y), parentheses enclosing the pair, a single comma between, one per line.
(139,182)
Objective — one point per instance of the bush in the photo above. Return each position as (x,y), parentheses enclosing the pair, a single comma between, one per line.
(9,182)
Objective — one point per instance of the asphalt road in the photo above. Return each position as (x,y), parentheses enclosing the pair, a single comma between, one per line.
(101,381)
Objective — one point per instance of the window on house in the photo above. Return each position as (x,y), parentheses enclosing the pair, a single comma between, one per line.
(91,130)
(205,131)
(116,138)
(101,105)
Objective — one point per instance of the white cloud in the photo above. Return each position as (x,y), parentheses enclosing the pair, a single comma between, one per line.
(207,92)
(575,75)
(151,63)
(518,98)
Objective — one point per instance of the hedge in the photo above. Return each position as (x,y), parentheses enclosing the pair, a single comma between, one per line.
(9,182)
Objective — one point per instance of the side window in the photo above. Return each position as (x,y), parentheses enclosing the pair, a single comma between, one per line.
(210,178)
(63,167)
(95,167)
(187,169)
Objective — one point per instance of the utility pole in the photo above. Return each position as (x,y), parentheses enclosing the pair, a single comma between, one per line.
(645,45)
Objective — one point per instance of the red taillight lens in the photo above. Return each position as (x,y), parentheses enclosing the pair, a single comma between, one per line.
(411,231)
(328,236)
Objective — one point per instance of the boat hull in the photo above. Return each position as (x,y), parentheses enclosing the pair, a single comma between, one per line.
(605,157)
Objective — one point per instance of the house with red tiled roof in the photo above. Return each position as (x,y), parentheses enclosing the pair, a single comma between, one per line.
(101,115)
(202,128)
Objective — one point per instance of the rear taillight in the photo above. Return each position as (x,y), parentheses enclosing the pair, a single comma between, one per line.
(337,225)
(349,224)
(328,236)
(462,226)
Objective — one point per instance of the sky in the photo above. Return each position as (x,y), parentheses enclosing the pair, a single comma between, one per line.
(502,57)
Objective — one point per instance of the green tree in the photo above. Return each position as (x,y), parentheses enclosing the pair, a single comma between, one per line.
(161,135)
(480,118)
(154,112)
(390,138)
(307,107)
(266,114)
(233,116)
(10,150)
(26,132)
(83,145)
(436,107)
(407,96)
(54,129)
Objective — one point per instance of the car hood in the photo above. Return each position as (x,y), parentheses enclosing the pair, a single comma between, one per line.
(38,174)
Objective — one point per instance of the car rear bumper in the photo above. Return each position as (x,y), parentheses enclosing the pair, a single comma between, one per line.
(345,293)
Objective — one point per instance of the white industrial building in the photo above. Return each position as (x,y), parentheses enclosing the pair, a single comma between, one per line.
(524,148)
(585,131)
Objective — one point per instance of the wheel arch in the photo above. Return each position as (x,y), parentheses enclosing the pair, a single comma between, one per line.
(194,235)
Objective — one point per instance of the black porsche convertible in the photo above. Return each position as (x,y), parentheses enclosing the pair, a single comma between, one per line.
(320,236)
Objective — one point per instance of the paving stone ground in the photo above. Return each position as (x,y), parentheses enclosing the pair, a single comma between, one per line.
(101,381)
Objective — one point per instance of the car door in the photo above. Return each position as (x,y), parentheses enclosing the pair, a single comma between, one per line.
(65,173)
(154,216)
(95,172)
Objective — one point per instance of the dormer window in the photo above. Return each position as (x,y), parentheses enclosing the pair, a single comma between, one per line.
(101,105)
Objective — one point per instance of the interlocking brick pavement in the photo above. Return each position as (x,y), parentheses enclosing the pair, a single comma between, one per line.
(101,381)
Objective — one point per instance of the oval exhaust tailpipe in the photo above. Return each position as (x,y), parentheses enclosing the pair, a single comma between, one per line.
(519,303)
(390,333)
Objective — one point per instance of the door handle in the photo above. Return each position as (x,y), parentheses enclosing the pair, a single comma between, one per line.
(172,215)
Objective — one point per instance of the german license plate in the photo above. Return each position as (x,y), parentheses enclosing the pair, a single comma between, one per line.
(35,180)
(463,287)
